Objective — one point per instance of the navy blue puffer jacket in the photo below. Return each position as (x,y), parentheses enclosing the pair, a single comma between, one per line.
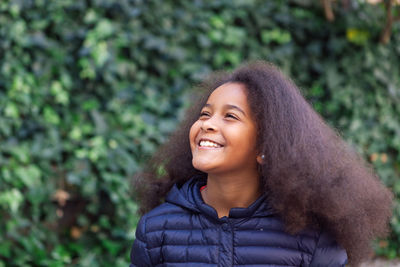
(184,231)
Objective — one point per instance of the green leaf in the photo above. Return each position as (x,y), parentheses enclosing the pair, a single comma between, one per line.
(29,175)
(11,199)
(51,116)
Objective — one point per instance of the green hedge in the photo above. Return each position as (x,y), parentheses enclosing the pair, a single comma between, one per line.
(89,90)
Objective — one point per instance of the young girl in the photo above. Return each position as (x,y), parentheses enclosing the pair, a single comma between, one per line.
(257,178)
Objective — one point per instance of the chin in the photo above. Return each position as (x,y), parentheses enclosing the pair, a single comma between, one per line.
(201,166)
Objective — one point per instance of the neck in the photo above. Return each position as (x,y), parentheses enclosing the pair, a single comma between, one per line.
(224,192)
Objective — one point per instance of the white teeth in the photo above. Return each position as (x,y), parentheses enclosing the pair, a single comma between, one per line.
(209,144)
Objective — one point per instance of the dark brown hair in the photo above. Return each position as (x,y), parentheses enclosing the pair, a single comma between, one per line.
(313,177)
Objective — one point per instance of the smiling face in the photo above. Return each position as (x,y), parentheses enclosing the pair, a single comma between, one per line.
(223,139)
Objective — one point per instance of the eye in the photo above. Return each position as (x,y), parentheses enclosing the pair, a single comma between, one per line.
(202,114)
(229,115)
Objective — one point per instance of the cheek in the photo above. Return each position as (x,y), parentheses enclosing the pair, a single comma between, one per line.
(246,140)
(193,133)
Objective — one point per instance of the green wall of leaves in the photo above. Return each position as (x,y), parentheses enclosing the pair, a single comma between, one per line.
(89,89)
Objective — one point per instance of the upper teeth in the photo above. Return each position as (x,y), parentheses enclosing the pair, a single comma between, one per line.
(208,143)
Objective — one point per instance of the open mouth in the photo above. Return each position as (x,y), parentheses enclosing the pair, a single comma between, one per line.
(208,144)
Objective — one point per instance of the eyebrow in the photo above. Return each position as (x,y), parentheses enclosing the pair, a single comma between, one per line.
(228,106)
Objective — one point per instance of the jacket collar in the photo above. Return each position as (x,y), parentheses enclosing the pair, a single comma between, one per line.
(189,197)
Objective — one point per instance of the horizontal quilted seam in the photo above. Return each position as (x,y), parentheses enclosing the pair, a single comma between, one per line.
(184,245)
(184,264)
(192,262)
(278,247)
(140,241)
(217,228)
(265,265)
(273,229)
(184,230)
(265,230)
(179,211)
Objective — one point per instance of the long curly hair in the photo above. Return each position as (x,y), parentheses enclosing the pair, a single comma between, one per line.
(312,176)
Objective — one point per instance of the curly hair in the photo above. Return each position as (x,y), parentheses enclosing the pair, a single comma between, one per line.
(311,176)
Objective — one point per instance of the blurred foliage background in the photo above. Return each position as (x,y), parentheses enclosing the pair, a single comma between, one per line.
(89,90)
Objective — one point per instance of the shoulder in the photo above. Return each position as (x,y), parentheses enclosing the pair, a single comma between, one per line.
(150,233)
(328,252)
(160,218)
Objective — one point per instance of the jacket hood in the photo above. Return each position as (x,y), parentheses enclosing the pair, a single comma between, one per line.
(189,197)
(186,195)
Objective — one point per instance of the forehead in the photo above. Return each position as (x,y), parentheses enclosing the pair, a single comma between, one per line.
(229,93)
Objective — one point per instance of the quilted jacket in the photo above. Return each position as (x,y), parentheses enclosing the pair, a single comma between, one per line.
(184,231)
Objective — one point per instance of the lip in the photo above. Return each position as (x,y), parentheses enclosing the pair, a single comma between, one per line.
(207,139)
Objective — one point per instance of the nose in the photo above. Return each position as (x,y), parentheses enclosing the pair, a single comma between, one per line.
(209,125)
